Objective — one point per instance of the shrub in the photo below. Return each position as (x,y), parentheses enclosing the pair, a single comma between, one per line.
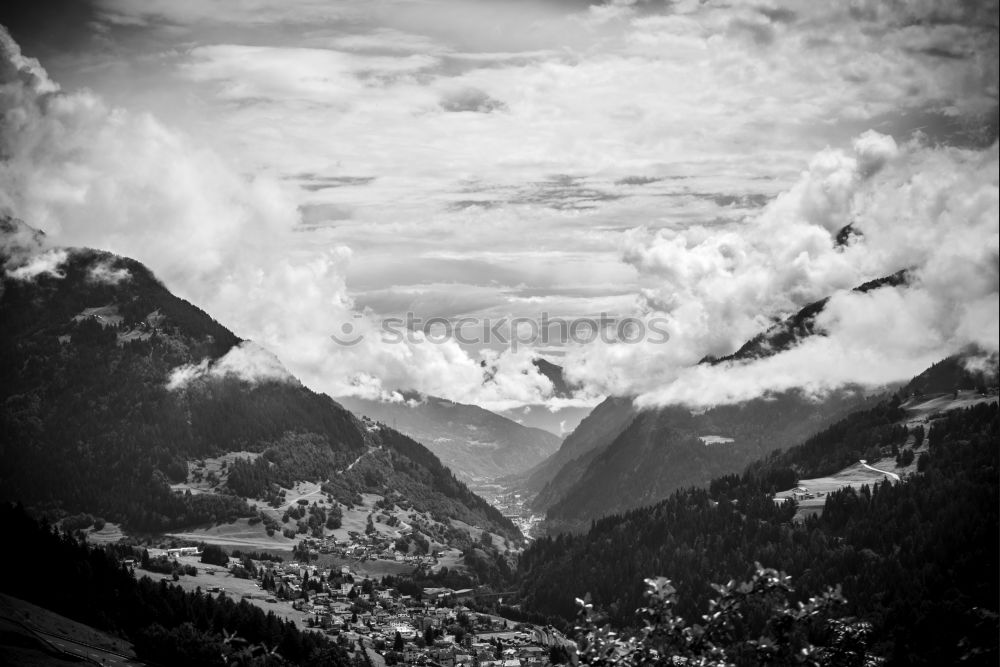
(751,623)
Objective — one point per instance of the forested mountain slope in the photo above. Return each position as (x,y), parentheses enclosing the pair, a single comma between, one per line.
(560,470)
(111,384)
(670,448)
(918,560)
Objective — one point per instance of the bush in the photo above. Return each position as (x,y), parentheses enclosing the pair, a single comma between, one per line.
(751,623)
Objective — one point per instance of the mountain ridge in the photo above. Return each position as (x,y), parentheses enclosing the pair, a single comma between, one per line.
(475,443)
(622,457)
(88,422)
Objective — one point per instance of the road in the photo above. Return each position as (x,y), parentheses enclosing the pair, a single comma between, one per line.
(90,652)
(893,475)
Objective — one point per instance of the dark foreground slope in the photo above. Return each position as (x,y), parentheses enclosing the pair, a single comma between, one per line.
(88,423)
(918,560)
(166,625)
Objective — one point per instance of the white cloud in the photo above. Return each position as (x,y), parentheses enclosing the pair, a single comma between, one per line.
(931,210)
(247,361)
(90,175)
(107,273)
(736,99)
(48,262)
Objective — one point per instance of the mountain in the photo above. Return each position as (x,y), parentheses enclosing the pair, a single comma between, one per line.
(619,457)
(559,420)
(788,332)
(917,560)
(113,388)
(550,478)
(666,449)
(475,443)
(969,370)
(561,388)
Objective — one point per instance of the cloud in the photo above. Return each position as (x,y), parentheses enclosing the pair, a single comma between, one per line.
(471,99)
(247,361)
(107,273)
(92,175)
(932,210)
(47,263)
(735,98)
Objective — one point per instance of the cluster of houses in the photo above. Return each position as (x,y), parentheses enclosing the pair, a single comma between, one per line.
(362,547)
(437,629)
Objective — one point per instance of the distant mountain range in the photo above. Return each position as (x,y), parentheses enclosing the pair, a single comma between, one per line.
(476,444)
(112,385)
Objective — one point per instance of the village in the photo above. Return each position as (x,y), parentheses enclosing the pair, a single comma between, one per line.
(413,626)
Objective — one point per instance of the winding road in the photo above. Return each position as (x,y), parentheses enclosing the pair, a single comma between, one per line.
(893,475)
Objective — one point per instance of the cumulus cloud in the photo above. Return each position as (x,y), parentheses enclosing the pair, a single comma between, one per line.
(728,95)
(931,210)
(92,175)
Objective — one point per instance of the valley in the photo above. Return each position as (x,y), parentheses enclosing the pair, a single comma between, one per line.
(251,490)
(590,333)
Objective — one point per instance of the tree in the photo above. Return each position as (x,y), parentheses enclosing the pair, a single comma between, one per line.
(214,555)
(751,623)
(397,643)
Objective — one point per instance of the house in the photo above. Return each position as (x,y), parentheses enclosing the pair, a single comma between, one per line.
(183,551)
(445,657)
(405,630)
(411,653)
(464,594)
(436,593)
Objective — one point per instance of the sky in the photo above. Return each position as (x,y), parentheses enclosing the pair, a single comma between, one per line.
(299,166)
